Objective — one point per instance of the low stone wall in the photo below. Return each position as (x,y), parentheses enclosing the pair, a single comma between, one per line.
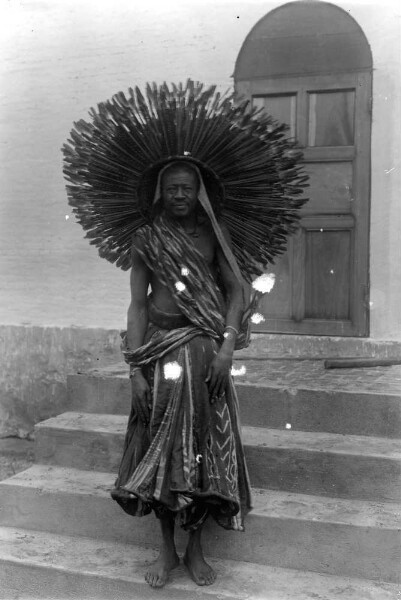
(34,364)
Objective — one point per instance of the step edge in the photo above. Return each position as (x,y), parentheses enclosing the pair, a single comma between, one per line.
(56,423)
(135,579)
(261,384)
(360,507)
(255,567)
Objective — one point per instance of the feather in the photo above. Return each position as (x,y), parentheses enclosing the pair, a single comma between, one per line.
(252,171)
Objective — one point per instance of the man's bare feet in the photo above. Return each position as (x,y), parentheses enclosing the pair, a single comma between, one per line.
(157,574)
(200,571)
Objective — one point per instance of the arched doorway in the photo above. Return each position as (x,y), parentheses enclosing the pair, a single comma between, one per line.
(309,64)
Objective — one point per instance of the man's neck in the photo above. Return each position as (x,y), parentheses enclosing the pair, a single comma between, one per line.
(188,223)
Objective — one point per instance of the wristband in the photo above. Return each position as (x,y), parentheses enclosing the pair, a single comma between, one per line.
(231,327)
(133,370)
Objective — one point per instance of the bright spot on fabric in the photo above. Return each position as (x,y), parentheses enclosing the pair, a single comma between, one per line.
(257,318)
(288,425)
(185,271)
(264,283)
(172,370)
(241,371)
(332,271)
(179,286)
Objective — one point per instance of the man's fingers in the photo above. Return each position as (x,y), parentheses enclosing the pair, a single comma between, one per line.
(146,406)
(139,411)
(145,416)
(222,386)
(214,386)
(140,408)
(148,399)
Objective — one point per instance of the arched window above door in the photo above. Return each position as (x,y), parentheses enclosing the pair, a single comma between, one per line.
(303,38)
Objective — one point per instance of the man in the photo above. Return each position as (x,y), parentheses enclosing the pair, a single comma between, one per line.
(183,456)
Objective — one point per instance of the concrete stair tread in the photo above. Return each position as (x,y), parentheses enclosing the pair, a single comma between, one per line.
(301,373)
(275,504)
(93,568)
(333,409)
(255,436)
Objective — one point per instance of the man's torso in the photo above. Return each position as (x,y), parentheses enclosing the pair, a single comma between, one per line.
(205,242)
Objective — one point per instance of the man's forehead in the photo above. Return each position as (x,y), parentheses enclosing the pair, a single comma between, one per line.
(179,174)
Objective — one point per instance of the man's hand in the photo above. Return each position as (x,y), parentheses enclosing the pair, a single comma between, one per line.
(141,400)
(217,377)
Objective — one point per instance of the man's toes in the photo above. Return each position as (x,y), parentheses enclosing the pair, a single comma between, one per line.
(160,581)
(210,577)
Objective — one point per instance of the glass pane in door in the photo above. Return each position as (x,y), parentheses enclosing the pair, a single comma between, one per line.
(281,107)
(331,118)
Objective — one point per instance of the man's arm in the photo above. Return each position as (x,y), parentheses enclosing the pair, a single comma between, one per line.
(220,367)
(137,318)
(234,294)
(137,323)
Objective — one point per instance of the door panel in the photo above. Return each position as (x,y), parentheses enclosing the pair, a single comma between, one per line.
(330,187)
(327,274)
(322,280)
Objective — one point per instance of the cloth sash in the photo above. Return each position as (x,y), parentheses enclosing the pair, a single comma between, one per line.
(169,252)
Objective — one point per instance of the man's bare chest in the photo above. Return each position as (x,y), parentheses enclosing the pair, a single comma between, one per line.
(204,243)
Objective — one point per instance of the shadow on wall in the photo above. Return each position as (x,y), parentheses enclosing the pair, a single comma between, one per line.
(35,362)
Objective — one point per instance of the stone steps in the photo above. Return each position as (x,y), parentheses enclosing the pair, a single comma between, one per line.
(314,463)
(328,535)
(325,463)
(315,406)
(41,565)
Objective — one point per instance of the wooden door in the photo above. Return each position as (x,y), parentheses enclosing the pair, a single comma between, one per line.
(322,280)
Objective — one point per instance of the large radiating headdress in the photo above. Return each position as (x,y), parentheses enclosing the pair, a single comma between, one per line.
(250,169)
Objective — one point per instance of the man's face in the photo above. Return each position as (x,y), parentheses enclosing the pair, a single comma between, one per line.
(180,192)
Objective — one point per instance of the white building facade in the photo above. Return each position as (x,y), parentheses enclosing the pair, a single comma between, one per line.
(342,275)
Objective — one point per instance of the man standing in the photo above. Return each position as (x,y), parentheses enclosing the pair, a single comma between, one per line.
(183,456)
(149,174)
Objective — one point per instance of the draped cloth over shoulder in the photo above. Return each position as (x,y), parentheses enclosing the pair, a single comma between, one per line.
(190,460)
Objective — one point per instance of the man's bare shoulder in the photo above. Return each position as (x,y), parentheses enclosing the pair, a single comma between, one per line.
(208,227)
(138,240)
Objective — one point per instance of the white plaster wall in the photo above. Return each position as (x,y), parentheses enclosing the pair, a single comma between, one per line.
(383,30)
(61,57)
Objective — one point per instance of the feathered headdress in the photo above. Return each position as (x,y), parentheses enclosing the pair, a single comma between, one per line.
(249,167)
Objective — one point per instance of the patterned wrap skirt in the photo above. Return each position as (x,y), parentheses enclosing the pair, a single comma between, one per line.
(189,460)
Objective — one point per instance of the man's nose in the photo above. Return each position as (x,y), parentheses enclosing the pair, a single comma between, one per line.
(179,193)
